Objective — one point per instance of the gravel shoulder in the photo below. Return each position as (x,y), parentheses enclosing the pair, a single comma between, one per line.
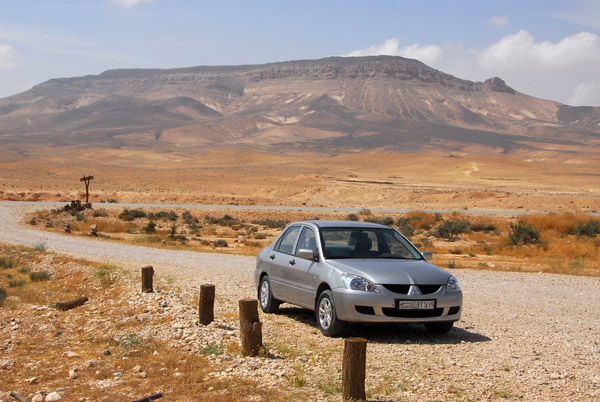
(531,337)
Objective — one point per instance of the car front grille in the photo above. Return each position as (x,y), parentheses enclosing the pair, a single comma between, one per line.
(403,289)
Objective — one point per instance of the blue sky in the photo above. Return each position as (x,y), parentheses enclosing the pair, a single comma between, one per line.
(545,48)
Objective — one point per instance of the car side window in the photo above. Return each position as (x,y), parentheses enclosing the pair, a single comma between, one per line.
(307,240)
(286,245)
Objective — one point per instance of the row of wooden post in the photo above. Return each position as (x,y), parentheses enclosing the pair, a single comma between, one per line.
(355,349)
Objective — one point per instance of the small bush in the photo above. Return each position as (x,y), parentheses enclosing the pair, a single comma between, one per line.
(78,216)
(271,223)
(173,231)
(24,270)
(172,216)
(352,217)
(260,236)
(421,220)
(220,243)
(387,221)
(16,284)
(150,227)
(40,247)
(403,225)
(2,295)
(451,264)
(39,276)
(106,273)
(450,229)
(226,220)
(7,262)
(99,213)
(522,233)
(214,349)
(590,228)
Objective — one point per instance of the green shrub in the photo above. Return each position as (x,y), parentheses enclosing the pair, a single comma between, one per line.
(521,233)
(172,216)
(2,295)
(220,243)
(590,228)
(450,229)
(38,276)
(16,284)
(404,226)
(150,227)
(40,247)
(352,217)
(7,262)
(271,223)
(226,220)
(173,231)
(106,273)
(214,349)
(99,213)
(387,221)
(78,216)
(126,216)
(24,270)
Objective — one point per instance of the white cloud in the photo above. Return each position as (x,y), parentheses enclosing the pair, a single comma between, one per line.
(429,54)
(129,3)
(8,57)
(584,94)
(499,21)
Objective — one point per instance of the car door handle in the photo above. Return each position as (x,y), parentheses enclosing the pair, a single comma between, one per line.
(272,256)
(292,262)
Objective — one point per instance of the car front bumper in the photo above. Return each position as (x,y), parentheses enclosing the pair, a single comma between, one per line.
(358,306)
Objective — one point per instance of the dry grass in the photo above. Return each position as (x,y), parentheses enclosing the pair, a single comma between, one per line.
(40,336)
(485,246)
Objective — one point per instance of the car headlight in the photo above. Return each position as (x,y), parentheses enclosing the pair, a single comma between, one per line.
(356,282)
(452,285)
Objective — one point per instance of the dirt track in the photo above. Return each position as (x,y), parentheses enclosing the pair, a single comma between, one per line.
(527,337)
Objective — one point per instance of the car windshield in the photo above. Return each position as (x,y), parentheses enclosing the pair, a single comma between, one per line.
(367,243)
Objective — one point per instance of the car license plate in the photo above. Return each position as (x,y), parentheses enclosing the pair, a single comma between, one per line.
(415,304)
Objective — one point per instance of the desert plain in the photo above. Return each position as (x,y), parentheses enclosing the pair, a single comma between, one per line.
(553,181)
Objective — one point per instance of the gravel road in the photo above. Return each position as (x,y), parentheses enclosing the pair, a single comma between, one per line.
(523,337)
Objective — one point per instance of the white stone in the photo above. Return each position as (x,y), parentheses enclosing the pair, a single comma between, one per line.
(53,396)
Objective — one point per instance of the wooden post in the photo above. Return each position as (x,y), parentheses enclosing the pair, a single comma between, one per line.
(353,369)
(86,180)
(206,304)
(147,274)
(71,304)
(250,327)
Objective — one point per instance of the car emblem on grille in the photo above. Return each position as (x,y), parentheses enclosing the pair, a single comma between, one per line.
(414,291)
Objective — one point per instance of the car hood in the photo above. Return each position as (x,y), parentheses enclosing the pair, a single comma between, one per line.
(388,271)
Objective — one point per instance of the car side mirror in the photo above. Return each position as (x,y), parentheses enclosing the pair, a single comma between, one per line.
(428,255)
(307,254)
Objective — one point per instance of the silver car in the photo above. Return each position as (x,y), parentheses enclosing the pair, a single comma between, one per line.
(355,272)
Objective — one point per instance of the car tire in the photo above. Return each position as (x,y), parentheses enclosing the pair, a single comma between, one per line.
(326,315)
(268,303)
(439,327)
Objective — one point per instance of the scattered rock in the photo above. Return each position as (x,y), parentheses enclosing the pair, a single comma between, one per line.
(53,396)
(106,352)
(71,354)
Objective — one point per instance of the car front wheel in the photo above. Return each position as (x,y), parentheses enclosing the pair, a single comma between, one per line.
(439,327)
(268,303)
(327,320)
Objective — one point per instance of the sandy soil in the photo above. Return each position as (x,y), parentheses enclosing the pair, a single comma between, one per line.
(373,180)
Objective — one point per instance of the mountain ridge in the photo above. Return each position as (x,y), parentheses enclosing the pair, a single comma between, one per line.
(337,104)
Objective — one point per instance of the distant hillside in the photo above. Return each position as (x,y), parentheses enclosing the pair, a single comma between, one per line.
(334,104)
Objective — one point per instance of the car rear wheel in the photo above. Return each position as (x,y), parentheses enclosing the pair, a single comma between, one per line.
(327,320)
(268,303)
(439,327)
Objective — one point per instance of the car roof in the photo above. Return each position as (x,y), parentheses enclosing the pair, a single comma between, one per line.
(342,224)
